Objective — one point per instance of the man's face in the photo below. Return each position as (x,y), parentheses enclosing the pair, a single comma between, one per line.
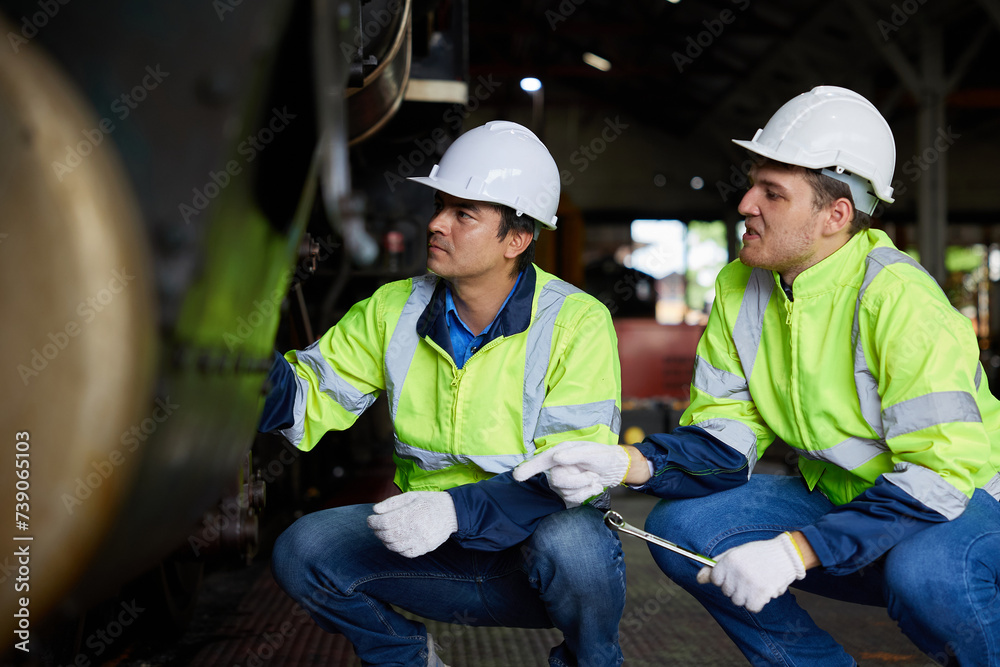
(462,239)
(783,228)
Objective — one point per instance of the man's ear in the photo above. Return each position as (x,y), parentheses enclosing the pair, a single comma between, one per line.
(841,214)
(517,242)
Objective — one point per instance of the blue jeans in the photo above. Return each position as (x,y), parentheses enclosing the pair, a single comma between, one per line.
(941,585)
(570,575)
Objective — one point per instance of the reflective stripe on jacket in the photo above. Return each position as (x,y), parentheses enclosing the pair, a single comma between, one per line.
(869,372)
(552,374)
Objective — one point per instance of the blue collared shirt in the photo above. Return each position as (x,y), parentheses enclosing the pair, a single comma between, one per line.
(463,342)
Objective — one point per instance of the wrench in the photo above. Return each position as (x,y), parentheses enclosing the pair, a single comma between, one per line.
(615,521)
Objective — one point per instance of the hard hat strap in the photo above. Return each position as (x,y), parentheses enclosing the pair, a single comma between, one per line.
(861,189)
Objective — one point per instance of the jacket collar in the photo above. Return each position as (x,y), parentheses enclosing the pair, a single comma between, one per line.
(843,267)
(513,319)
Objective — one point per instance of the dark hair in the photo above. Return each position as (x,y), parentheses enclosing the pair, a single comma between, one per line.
(510,221)
(826,190)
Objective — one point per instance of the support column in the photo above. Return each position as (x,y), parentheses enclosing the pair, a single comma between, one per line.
(932,191)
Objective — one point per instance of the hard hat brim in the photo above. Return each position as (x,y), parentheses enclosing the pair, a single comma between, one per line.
(456,190)
(764,151)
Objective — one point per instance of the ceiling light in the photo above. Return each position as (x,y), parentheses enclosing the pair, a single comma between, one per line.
(595,60)
(530,84)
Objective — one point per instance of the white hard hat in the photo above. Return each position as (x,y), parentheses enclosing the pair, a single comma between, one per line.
(504,163)
(838,131)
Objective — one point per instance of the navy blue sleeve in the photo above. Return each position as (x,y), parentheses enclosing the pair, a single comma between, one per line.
(853,535)
(280,402)
(690,463)
(500,512)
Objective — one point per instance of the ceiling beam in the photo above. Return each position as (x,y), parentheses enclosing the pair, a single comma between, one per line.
(889,50)
(992,8)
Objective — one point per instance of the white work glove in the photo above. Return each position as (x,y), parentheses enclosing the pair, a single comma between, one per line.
(753,574)
(578,470)
(415,522)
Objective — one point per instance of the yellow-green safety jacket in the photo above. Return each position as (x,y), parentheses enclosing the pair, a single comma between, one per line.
(869,374)
(548,373)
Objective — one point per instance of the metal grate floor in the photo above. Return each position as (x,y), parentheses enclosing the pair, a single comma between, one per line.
(245,620)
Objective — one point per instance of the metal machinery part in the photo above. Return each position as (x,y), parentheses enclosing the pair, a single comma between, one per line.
(343,207)
(78,344)
(145,278)
(231,528)
(373,104)
(139,406)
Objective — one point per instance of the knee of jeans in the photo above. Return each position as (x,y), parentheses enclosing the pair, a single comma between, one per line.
(291,554)
(917,570)
(575,541)
(301,555)
(684,523)
(905,584)
(681,521)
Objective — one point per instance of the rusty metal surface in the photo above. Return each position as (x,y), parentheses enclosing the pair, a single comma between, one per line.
(137,363)
(77,346)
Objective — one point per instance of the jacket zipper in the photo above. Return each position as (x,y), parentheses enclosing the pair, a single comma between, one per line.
(456,381)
